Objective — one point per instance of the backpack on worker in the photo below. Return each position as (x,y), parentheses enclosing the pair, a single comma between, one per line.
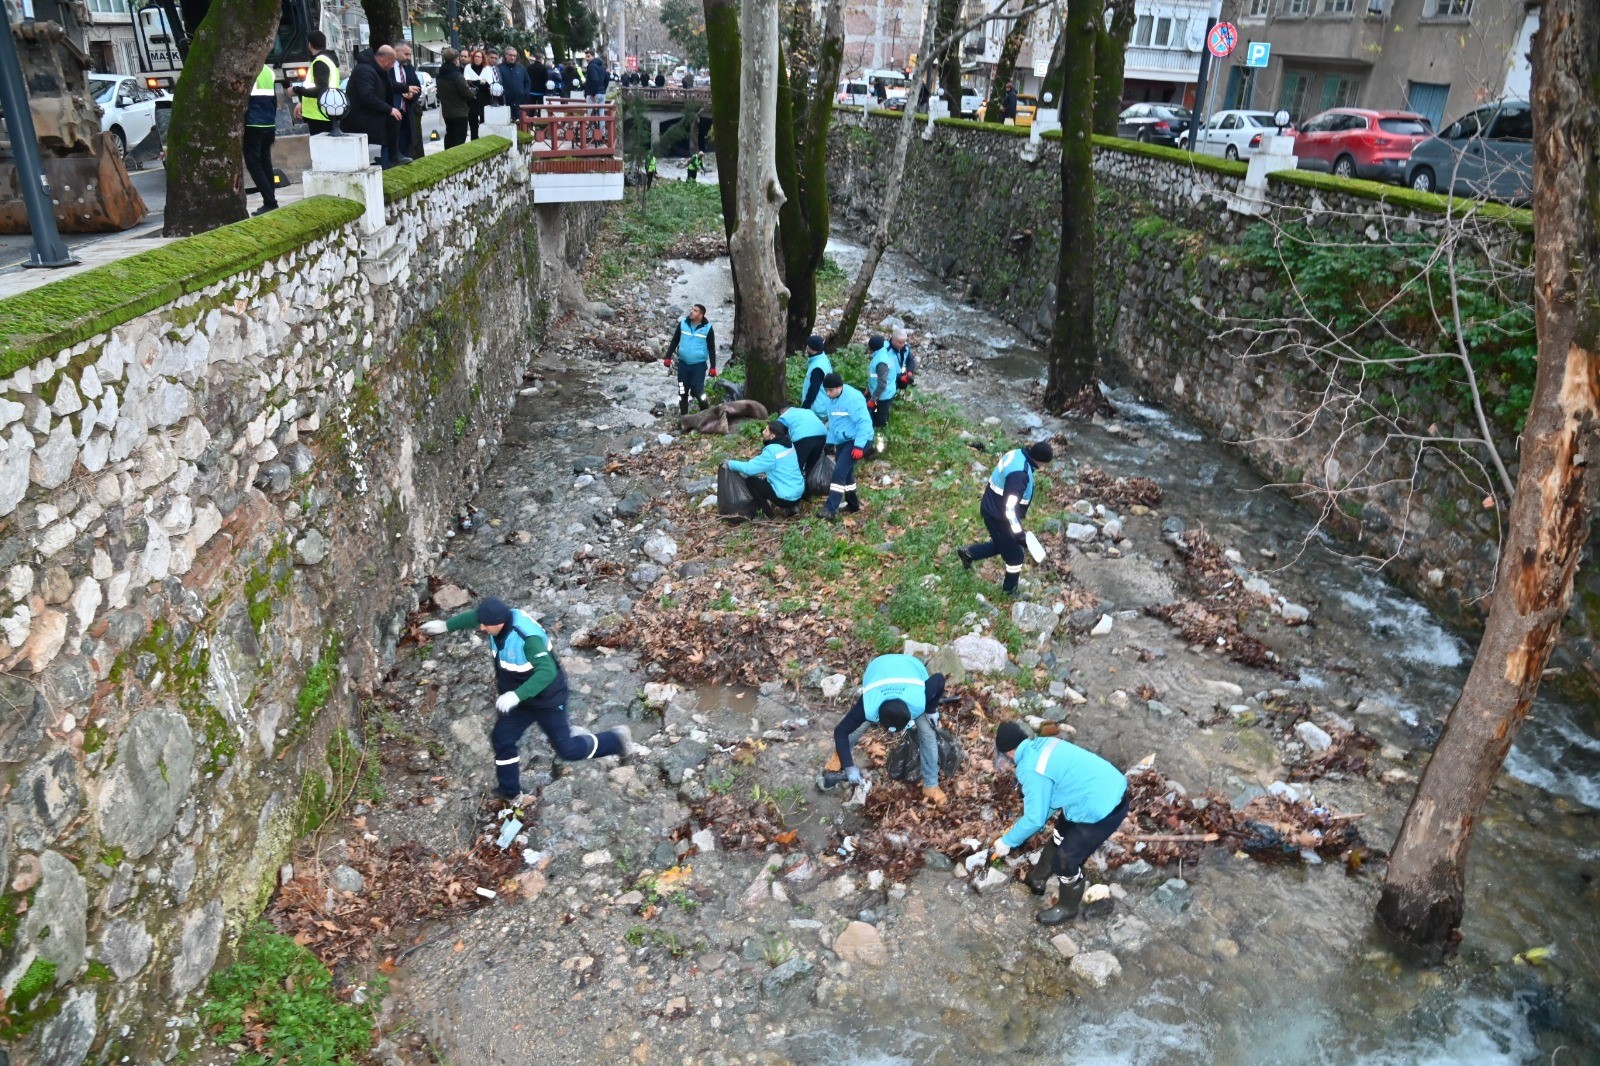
(905,761)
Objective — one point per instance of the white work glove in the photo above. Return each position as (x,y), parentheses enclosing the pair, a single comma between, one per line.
(853,775)
(434,628)
(507,701)
(999,849)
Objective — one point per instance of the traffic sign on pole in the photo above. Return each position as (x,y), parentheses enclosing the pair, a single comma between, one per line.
(1257,53)
(1222,39)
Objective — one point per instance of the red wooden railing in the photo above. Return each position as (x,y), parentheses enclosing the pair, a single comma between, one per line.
(570,128)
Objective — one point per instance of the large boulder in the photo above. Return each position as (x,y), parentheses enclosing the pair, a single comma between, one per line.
(980,655)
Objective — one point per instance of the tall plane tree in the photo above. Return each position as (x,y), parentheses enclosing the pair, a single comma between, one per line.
(385,24)
(1422,899)
(1006,68)
(753,246)
(205,164)
(1110,49)
(1072,340)
(723,58)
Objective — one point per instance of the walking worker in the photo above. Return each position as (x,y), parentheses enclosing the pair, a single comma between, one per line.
(1005,504)
(904,357)
(818,366)
(650,172)
(897,692)
(1089,794)
(533,691)
(773,476)
(883,373)
(807,433)
(694,343)
(693,169)
(850,431)
(260,130)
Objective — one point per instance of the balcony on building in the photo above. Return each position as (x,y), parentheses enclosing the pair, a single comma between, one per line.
(575,154)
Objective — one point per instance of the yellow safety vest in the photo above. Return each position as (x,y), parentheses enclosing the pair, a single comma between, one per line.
(309,108)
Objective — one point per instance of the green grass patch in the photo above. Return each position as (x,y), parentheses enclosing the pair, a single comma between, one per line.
(317,688)
(277,992)
(54,317)
(643,231)
(400,182)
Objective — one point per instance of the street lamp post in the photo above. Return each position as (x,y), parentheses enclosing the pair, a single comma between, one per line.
(48,248)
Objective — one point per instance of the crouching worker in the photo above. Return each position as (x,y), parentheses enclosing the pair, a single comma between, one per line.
(897,693)
(807,434)
(773,476)
(533,691)
(1089,794)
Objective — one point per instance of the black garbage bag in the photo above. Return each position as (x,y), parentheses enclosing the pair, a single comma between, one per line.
(905,760)
(733,495)
(731,390)
(821,476)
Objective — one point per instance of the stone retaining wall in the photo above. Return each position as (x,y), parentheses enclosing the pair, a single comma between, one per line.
(214,516)
(977,212)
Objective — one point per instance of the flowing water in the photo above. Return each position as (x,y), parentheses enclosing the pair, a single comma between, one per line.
(1272,964)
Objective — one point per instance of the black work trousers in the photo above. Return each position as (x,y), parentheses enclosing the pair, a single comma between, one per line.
(1076,841)
(258,161)
(455,131)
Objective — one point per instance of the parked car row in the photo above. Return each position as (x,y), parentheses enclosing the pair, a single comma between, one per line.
(1487,152)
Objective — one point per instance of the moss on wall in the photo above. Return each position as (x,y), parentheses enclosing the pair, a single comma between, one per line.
(400,182)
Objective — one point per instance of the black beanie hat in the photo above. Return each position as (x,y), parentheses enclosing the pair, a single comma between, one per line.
(493,612)
(815,343)
(833,381)
(1041,452)
(1008,736)
(894,714)
(875,342)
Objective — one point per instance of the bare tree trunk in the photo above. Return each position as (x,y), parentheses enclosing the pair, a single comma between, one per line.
(384,24)
(857,298)
(205,164)
(1422,900)
(723,59)
(1007,66)
(753,246)
(950,69)
(1072,339)
(1110,48)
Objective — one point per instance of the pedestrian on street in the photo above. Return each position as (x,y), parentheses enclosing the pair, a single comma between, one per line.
(1008,104)
(818,367)
(322,75)
(693,170)
(900,345)
(572,78)
(694,343)
(408,98)
(883,376)
(538,78)
(850,431)
(898,693)
(532,691)
(372,110)
(595,79)
(688,79)
(808,434)
(456,99)
(514,84)
(260,129)
(1005,504)
(1090,794)
(661,80)
(479,74)
(773,476)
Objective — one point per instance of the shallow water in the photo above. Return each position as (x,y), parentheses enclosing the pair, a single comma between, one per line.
(1311,981)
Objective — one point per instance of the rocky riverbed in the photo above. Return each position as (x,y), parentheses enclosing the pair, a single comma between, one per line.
(692,905)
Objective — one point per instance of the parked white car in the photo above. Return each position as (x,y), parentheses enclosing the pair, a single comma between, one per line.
(127,108)
(430,91)
(1233,134)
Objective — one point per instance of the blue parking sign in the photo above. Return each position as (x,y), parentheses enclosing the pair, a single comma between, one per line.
(1257,53)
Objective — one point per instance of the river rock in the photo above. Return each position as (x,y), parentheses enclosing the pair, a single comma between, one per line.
(1033,618)
(861,943)
(919,649)
(989,880)
(1314,737)
(588,464)
(658,694)
(1173,525)
(1065,945)
(55,926)
(1295,614)
(125,948)
(632,505)
(980,655)
(644,575)
(451,598)
(1102,627)
(661,548)
(832,685)
(1096,967)
(197,950)
(45,800)
(787,979)
(148,782)
(947,661)
(312,548)
(685,755)
(347,879)
(1173,895)
(1081,532)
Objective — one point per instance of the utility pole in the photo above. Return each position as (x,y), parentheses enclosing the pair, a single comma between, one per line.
(455,30)
(48,248)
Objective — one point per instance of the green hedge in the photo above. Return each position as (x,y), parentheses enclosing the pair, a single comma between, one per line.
(400,182)
(45,321)
(1398,195)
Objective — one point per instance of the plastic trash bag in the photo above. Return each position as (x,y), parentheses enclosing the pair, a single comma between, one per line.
(821,476)
(731,390)
(733,495)
(905,760)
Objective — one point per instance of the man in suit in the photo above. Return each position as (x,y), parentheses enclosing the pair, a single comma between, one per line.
(408,99)
(372,109)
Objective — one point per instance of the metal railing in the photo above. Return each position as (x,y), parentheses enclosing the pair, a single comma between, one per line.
(570,129)
(669,94)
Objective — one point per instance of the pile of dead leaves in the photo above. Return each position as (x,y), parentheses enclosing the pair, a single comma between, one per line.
(1347,757)
(1215,617)
(406,886)
(1213,576)
(698,248)
(1118,493)
(1202,627)
(620,349)
(740,823)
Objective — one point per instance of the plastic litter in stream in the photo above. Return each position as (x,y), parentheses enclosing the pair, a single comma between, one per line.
(508,833)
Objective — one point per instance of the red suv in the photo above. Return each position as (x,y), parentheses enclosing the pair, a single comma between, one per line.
(1355,143)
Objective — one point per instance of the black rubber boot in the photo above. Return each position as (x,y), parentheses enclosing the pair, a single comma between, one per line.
(830,780)
(966,561)
(1039,876)
(1067,904)
(683,406)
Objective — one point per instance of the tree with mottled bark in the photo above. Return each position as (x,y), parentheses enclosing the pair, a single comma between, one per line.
(385,24)
(1072,354)
(1423,896)
(723,59)
(759,196)
(1110,50)
(205,160)
(1006,68)
(950,62)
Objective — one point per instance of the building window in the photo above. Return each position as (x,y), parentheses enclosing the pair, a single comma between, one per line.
(1338,7)
(108,7)
(1141,31)
(1339,90)
(1259,9)
(1447,9)
(1293,96)
(1296,7)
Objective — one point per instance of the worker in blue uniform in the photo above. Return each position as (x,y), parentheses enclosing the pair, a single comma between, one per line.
(883,373)
(818,367)
(849,431)
(694,343)
(773,475)
(898,693)
(808,434)
(1005,504)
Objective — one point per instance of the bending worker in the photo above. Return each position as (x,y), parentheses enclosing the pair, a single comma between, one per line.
(1005,505)
(1089,794)
(897,692)
(773,476)
(808,435)
(694,343)
(850,430)
(883,373)
(533,691)
(818,367)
